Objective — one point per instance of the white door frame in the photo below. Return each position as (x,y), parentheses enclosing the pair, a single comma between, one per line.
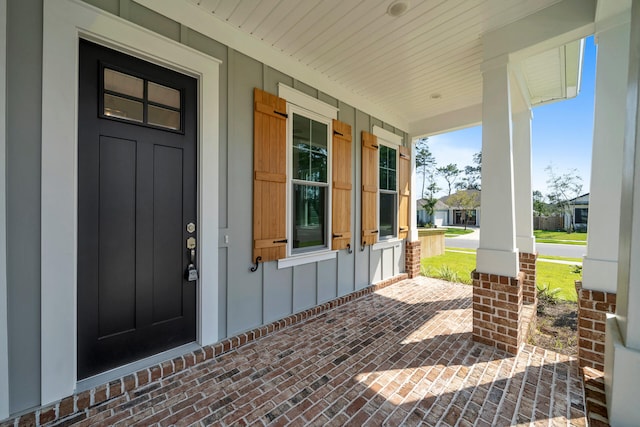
(4,330)
(65,21)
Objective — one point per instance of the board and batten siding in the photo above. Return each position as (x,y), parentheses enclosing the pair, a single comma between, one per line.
(247,299)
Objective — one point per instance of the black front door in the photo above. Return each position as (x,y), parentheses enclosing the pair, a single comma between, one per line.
(136,196)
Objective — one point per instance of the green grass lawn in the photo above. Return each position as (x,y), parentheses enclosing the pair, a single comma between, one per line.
(457,267)
(563,237)
(453,232)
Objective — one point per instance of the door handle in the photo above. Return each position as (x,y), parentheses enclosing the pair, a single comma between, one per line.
(191,273)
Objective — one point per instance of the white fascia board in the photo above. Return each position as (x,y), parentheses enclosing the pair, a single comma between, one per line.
(554,26)
(194,17)
(446,122)
(384,134)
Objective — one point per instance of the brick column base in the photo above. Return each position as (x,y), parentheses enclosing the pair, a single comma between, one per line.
(412,259)
(593,307)
(497,310)
(528,267)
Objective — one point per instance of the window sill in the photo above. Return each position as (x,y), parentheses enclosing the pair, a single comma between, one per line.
(385,244)
(306,259)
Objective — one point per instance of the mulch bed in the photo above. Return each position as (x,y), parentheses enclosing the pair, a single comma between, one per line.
(557,327)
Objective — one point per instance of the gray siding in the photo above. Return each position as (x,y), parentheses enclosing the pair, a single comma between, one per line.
(246,299)
(24,118)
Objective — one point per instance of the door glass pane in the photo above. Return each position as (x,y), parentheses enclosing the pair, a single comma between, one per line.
(164,95)
(123,108)
(387,215)
(125,84)
(162,117)
(309,203)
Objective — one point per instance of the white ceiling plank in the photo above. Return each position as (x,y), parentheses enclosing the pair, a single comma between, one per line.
(242,12)
(346,26)
(296,11)
(357,48)
(225,8)
(398,63)
(436,41)
(310,25)
(257,15)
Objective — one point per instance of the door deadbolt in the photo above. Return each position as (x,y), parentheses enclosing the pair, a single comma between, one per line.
(191,227)
(191,243)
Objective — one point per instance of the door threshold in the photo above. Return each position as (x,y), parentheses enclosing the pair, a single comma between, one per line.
(130,368)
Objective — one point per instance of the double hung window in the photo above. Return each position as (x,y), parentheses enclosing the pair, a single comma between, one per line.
(388,192)
(310,177)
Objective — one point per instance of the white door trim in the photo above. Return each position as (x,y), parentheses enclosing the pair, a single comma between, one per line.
(65,21)
(4,329)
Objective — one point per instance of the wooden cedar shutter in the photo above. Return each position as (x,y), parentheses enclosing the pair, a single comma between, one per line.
(269,176)
(369,188)
(404,194)
(341,195)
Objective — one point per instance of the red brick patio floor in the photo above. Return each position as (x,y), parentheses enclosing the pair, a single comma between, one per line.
(400,356)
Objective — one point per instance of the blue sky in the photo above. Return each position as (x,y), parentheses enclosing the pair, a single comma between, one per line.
(562,135)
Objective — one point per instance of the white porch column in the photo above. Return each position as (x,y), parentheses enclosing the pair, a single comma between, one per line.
(523,193)
(497,253)
(600,265)
(622,354)
(413,204)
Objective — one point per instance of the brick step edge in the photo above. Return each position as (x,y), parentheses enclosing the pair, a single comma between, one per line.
(74,408)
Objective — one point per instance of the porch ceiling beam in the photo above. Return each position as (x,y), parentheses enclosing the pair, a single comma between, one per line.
(554,26)
(446,122)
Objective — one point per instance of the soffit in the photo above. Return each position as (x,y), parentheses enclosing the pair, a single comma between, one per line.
(396,63)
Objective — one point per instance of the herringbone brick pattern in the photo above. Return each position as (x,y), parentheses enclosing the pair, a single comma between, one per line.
(400,356)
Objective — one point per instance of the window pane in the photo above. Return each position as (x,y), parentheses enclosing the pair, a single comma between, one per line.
(318,167)
(163,95)
(387,215)
(383,179)
(123,83)
(383,157)
(387,168)
(123,108)
(309,149)
(319,136)
(309,204)
(391,158)
(391,181)
(300,163)
(163,117)
(301,131)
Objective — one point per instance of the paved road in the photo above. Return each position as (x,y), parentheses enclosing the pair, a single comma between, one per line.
(552,249)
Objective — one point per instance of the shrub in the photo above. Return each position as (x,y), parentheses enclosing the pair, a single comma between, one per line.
(448,274)
(547,296)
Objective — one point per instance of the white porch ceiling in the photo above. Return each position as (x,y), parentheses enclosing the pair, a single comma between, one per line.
(422,64)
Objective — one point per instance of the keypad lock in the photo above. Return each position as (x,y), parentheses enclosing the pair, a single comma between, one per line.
(191,273)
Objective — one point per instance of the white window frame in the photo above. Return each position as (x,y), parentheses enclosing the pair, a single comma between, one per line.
(314,109)
(381,191)
(291,181)
(390,140)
